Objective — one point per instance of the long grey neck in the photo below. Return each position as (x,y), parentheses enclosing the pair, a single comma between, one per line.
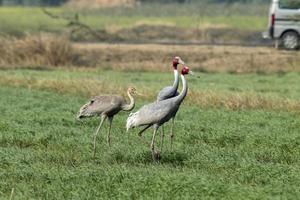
(176,80)
(184,90)
(130,106)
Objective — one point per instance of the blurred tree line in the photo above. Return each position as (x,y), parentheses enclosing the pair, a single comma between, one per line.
(59,2)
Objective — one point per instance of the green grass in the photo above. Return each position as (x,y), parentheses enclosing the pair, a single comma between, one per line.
(46,154)
(19,20)
(219,154)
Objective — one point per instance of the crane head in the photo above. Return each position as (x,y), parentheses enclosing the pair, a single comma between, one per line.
(176,61)
(186,70)
(131,90)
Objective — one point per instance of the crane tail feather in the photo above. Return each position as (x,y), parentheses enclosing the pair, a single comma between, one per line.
(131,120)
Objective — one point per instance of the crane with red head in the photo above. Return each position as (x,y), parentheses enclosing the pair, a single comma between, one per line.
(159,112)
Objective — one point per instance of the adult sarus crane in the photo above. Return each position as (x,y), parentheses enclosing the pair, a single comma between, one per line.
(170,92)
(157,113)
(106,107)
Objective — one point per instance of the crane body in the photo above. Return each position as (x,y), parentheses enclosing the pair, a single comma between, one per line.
(106,106)
(157,113)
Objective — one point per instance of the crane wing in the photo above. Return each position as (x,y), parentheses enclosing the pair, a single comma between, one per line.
(102,104)
(166,93)
(154,113)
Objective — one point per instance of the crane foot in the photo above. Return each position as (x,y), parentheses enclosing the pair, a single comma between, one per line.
(109,141)
(156,156)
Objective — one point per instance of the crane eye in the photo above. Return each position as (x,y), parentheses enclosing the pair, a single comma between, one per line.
(92,101)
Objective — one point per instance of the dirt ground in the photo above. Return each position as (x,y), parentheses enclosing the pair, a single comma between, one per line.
(171,34)
(205,58)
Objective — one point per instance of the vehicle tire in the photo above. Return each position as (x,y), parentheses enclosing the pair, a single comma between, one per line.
(290,40)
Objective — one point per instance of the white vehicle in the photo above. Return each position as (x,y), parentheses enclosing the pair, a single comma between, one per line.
(284,23)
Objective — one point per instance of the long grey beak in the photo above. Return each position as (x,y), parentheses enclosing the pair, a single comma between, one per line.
(139,94)
(181,61)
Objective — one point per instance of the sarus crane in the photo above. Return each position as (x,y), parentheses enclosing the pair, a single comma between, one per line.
(170,92)
(157,113)
(106,106)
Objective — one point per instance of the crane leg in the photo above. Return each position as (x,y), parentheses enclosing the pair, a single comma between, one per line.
(162,135)
(95,136)
(155,155)
(172,133)
(110,119)
(142,136)
(142,131)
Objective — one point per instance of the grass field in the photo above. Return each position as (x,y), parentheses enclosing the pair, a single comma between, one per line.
(19,20)
(273,91)
(219,153)
(236,134)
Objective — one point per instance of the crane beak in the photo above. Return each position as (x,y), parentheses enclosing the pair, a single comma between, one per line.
(181,61)
(137,93)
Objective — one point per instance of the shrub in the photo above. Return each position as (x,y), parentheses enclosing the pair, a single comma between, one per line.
(40,50)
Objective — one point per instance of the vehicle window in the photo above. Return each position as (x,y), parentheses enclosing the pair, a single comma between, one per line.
(289,4)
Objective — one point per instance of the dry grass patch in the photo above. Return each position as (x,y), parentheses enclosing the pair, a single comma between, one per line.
(207,98)
(241,101)
(50,51)
(41,50)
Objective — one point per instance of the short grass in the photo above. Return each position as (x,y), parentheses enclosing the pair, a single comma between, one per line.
(19,20)
(218,154)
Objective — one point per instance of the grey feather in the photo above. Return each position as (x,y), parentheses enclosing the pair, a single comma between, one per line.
(157,113)
(169,91)
(108,105)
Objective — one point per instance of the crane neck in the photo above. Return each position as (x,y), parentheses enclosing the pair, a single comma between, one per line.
(176,79)
(184,90)
(130,106)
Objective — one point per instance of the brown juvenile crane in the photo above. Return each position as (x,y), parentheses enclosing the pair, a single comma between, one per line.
(106,106)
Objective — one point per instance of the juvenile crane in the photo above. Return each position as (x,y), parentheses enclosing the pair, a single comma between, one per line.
(157,113)
(170,92)
(106,107)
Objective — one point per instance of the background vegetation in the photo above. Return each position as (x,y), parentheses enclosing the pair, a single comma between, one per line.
(237,132)
(155,22)
(59,2)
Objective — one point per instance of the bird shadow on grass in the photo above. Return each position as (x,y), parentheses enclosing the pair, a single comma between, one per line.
(176,159)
